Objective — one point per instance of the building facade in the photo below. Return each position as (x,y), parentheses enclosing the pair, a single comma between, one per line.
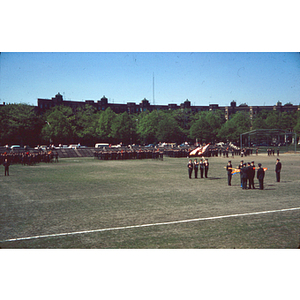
(132,107)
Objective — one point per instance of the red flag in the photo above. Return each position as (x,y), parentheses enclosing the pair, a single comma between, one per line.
(200,151)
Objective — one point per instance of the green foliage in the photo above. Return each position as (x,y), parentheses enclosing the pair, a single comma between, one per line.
(147,126)
(297,126)
(123,129)
(104,126)
(206,126)
(59,128)
(234,127)
(275,119)
(168,129)
(20,124)
(85,125)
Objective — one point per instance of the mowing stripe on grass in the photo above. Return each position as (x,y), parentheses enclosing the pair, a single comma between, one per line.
(149,225)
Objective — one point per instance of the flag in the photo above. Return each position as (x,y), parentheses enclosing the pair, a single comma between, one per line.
(200,151)
(235,171)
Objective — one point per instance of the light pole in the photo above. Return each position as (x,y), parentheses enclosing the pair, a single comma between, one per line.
(50,127)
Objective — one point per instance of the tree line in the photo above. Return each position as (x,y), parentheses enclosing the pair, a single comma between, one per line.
(21,124)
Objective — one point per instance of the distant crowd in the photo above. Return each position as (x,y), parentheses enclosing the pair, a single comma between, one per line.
(28,158)
(128,154)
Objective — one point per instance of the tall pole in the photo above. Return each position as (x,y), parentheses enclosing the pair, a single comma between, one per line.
(241,141)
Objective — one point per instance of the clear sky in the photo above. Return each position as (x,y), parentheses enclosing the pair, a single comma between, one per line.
(204,78)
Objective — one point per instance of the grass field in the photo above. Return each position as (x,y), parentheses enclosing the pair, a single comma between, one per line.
(76,196)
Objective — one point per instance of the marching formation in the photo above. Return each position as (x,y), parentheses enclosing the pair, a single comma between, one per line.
(26,158)
(128,154)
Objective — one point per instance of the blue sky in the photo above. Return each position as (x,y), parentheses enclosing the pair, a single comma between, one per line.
(202,77)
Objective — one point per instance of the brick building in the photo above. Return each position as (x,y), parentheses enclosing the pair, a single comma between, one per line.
(132,107)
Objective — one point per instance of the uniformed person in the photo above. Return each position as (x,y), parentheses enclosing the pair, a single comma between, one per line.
(260,176)
(251,175)
(196,166)
(201,165)
(229,170)
(248,174)
(6,167)
(244,176)
(206,167)
(240,167)
(190,168)
(278,169)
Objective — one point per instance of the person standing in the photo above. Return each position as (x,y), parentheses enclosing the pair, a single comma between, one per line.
(206,167)
(278,169)
(201,164)
(229,170)
(260,176)
(6,167)
(190,168)
(251,175)
(196,166)
(244,176)
(240,167)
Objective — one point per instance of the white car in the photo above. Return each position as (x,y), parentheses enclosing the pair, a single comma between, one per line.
(15,147)
(73,146)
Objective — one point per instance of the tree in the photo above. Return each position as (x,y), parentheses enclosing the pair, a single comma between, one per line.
(206,126)
(297,126)
(104,125)
(259,121)
(168,129)
(288,120)
(183,119)
(234,127)
(273,120)
(85,125)
(59,127)
(19,124)
(123,129)
(147,126)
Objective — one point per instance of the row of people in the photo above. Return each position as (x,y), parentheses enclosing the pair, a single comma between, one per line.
(28,158)
(128,154)
(203,165)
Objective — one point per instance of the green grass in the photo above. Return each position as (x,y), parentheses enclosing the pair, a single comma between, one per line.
(80,194)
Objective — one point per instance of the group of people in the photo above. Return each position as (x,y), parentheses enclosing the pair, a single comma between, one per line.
(128,154)
(26,158)
(247,172)
(203,165)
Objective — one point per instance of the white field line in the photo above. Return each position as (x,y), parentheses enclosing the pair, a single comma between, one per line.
(149,225)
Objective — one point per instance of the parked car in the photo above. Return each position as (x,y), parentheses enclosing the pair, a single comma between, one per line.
(101,145)
(15,147)
(41,147)
(73,146)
